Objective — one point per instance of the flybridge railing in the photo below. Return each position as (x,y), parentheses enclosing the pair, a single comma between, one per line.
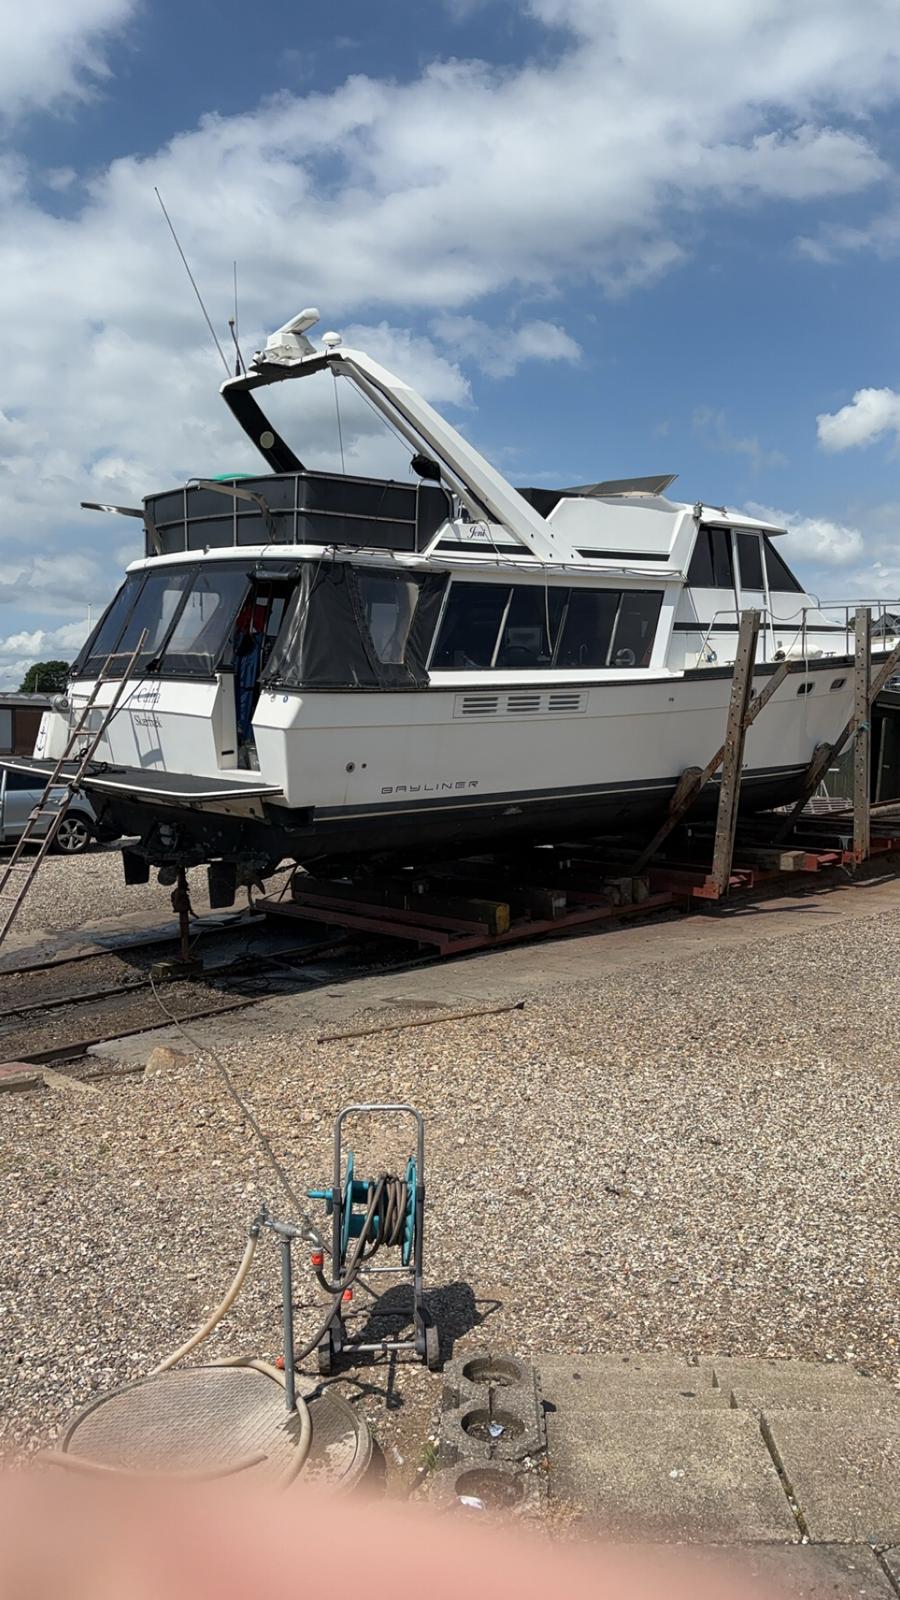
(824,629)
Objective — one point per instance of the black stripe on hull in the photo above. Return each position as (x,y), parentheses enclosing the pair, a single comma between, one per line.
(410,829)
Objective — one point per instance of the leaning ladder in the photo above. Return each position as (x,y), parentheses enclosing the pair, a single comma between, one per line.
(17,875)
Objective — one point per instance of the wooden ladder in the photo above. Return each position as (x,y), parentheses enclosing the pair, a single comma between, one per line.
(18,874)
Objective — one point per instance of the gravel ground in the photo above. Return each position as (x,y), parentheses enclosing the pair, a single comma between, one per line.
(699,1156)
(70,892)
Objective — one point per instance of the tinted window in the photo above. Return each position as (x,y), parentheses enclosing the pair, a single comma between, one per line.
(750,561)
(780,577)
(531,627)
(106,635)
(155,611)
(588,628)
(635,628)
(711,566)
(203,628)
(20,781)
(389,605)
(470,626)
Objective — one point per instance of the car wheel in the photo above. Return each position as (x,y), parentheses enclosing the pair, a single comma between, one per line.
(72,836)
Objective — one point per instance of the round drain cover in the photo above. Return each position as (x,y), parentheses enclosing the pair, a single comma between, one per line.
(197,1419)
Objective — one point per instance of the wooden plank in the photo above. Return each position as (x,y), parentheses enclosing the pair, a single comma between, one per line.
(733,759)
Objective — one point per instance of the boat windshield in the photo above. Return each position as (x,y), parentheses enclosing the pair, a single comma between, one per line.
(187,614)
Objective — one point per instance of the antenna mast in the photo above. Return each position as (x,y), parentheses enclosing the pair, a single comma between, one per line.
(193,283)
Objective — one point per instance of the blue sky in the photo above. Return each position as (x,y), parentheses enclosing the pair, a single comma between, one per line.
(606,236)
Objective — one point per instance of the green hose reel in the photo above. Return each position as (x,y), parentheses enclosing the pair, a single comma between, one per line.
(354,1199)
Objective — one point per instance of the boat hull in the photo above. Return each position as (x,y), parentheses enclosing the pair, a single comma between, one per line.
(413,774)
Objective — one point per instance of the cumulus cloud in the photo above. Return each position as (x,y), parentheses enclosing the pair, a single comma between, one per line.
(391,204)
(54,52)
(870,414)
(813,539)
(19,650)
(501,351)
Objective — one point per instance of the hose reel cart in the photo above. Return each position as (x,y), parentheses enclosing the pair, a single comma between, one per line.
(371,1216)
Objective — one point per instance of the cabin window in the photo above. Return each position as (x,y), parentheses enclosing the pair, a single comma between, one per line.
(106,635)
(202,630)
(750,561)
(711,565)
(530,628)
(389,605)
(632,643)
(780,576)
(588,628)
(472,619)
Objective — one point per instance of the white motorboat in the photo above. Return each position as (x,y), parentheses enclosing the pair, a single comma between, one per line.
(337,666)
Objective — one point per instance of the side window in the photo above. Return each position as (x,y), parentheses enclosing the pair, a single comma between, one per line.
(201,632)
(531,627)
(470,626)
(780,576)
(635,632)
(156,610)
(750,560)
(588,628)
(390,604)
(711,565)
(22,781)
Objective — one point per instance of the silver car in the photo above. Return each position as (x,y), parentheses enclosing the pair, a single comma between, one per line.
(18,798)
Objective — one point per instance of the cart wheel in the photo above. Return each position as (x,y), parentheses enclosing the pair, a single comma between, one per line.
(324,1354)
(432,1348)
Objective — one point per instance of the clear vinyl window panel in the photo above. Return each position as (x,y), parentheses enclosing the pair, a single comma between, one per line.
(389,605)
(109,628)
(206,622)
(156,609)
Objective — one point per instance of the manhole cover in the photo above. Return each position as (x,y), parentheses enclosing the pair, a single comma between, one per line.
(209,1418)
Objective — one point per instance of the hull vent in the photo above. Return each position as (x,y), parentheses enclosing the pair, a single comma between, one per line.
(537,703)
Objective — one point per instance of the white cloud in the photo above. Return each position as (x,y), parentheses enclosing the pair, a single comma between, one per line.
(501,351)
(388,203)
(18,651)
(54,51)
(815,540)
(871,413)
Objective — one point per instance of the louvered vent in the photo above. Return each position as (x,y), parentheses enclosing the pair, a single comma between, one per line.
(522,703)
(560,701)
(478,705)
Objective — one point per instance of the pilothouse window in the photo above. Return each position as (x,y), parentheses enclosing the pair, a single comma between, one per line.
(495,625)
(711,564)
(750,560)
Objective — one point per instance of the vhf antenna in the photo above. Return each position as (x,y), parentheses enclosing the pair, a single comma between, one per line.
(193,282)
(239,366)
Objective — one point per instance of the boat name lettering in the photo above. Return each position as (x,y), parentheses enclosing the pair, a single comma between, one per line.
(429,788)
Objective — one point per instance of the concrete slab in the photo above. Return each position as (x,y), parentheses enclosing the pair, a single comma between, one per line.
(667,1474)
(759,1384)
(626,1382)
(817,1572)
(843,1468)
